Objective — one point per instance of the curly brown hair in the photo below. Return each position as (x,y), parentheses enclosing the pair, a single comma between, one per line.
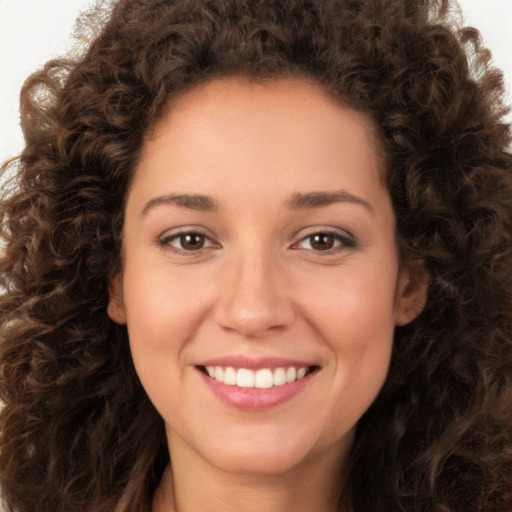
(78,432)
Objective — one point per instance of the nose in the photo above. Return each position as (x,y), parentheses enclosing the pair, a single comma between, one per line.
(254,297)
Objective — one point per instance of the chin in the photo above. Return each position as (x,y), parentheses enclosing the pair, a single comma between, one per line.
(258,463)
(261,455)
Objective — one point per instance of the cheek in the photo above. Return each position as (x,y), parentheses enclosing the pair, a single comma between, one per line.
(358,328)
(164,307)
(357,299)
(354,316)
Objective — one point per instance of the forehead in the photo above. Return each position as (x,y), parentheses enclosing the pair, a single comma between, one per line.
(288,132)
(261,102)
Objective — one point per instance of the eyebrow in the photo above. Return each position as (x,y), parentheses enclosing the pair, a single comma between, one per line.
(298,201)
(310,200)
(192,201)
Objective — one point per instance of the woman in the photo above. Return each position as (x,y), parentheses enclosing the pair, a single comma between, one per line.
(258,256)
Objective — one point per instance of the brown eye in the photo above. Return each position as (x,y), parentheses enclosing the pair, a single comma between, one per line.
(191,241)
(187,242)
(327,241)
(322,241)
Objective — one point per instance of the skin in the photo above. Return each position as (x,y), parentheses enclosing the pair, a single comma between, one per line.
(259,286)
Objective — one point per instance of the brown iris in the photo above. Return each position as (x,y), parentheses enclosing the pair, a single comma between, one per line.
(322,241)
(192,241)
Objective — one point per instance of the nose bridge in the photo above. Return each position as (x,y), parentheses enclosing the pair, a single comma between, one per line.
(252,300)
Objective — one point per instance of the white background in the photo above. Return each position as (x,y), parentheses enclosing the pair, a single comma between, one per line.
(34,31)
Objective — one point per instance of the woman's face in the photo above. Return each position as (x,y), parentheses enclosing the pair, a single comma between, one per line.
(261,283)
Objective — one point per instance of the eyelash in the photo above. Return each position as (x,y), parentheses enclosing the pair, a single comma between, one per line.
(341,238)
(166,242)
(344,240)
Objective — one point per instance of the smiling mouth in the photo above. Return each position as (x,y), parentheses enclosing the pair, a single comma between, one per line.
(262,378)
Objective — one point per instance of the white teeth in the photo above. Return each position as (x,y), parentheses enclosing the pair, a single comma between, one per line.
(245,378)
(279,377)
(230,376)
(301,372)
(291,374)
(263,378)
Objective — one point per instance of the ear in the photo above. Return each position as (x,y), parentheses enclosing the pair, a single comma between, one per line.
(411,293)
(116,309)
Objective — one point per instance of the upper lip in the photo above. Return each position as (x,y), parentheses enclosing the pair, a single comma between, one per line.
(255,363)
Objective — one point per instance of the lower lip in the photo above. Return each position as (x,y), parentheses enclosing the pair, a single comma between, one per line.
(255,399)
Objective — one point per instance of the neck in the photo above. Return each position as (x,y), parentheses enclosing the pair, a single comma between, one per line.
(193,485)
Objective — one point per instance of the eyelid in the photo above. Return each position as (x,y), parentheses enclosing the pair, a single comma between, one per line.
(347,239)
(165,238)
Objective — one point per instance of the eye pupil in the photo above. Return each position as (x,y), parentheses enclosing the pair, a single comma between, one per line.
(191,241)
(322,241)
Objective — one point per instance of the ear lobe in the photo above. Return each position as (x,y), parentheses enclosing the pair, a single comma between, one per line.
(116,309)
(411,292)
